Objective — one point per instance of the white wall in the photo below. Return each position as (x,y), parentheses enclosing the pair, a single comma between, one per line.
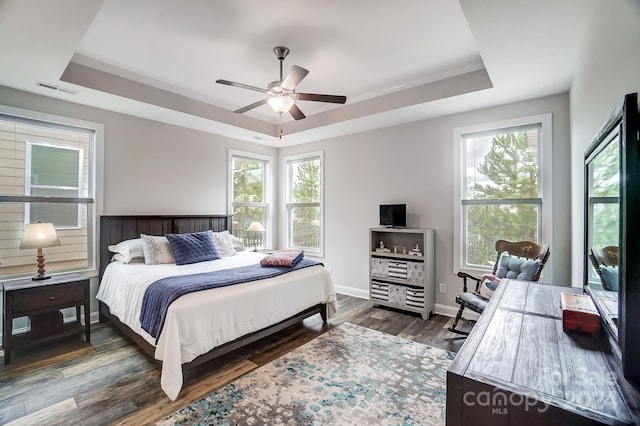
(412,164)
(608,68)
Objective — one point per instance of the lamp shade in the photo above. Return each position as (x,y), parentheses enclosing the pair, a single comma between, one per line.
(39,235)
(281,103)
(255,227)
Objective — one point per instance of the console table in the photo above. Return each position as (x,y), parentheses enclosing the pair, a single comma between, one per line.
(518,367)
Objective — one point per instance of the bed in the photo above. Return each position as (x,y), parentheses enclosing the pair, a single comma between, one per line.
(201,326)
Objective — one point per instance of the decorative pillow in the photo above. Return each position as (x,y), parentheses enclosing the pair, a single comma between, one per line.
(488,286)
(128,250)
(610,276)
(519,269)
(237,243)
(157,250)
(193,248)
(224,243)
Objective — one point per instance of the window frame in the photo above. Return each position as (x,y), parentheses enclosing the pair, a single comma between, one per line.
(288,205)
(267,188)
(545,205)
(95,164)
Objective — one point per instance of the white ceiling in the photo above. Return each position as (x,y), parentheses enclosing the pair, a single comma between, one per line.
(396,62)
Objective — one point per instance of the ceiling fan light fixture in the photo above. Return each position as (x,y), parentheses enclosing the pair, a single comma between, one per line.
(281,103)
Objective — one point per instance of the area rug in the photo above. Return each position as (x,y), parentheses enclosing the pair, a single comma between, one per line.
(350,375)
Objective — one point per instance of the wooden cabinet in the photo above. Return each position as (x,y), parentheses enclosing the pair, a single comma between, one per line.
(401,269)
(518,367)
(26,297)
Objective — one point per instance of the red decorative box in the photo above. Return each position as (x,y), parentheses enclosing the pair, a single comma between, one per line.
(579,314)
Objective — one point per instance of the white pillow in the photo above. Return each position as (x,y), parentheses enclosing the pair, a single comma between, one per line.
(224,243)
(120,258)
(237,243)
(128,249)
(157,250)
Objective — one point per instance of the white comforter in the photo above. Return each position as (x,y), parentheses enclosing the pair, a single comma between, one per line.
(200,321)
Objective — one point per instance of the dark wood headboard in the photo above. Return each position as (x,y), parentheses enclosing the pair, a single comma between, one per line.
(114,229)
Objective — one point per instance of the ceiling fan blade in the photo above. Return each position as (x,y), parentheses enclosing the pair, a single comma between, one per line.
(241,85)
(295,76)
(296,113)
(251,106)
(336,99)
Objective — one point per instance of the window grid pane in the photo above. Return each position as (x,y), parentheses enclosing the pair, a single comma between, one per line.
(242,218)
(503,164)
(305,181)
(489,223)
(54,166)
(605,173)
(305,227)
(248,180)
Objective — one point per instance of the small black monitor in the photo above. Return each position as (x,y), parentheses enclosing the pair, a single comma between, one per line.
(393,215)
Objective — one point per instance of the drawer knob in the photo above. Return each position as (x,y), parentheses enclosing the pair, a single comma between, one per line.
(52,298)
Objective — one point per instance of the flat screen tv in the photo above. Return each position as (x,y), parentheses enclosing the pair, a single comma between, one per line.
(393,215)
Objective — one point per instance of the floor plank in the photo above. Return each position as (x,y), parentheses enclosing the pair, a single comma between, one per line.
(111,381)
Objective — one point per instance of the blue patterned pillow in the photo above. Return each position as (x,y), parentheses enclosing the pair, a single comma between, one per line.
(193,248)
(518,269)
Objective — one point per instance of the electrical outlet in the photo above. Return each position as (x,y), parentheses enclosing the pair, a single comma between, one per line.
(443,287)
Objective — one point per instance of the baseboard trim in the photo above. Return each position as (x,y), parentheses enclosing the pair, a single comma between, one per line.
(352,291)
(452,311)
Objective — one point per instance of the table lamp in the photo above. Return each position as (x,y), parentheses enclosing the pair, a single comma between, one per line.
(39,235)
(255,227)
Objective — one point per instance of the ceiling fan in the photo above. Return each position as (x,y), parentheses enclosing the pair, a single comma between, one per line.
(281,94)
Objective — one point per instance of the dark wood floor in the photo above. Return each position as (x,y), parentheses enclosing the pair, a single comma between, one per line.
(111,381)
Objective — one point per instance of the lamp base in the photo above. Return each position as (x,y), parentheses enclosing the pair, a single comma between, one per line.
(40,278)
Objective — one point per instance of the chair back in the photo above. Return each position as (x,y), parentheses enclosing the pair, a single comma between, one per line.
(607,256)
(523,250)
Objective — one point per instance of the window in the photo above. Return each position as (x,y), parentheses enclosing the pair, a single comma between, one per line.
(250,196)
(304,196)
(499,179)
(47,173)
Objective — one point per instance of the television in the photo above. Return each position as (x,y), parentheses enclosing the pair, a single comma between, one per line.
(393,215)
(612,202)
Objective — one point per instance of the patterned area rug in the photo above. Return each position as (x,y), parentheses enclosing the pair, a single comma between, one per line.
(349,375)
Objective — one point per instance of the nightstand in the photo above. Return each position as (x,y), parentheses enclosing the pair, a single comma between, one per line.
(26,297)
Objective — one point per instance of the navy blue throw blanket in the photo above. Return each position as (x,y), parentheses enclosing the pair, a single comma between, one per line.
(163,292)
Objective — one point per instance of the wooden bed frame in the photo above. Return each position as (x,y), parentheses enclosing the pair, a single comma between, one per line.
(114,229)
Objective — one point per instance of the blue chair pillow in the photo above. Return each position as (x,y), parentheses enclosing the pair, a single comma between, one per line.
(518,269)
(610,276)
